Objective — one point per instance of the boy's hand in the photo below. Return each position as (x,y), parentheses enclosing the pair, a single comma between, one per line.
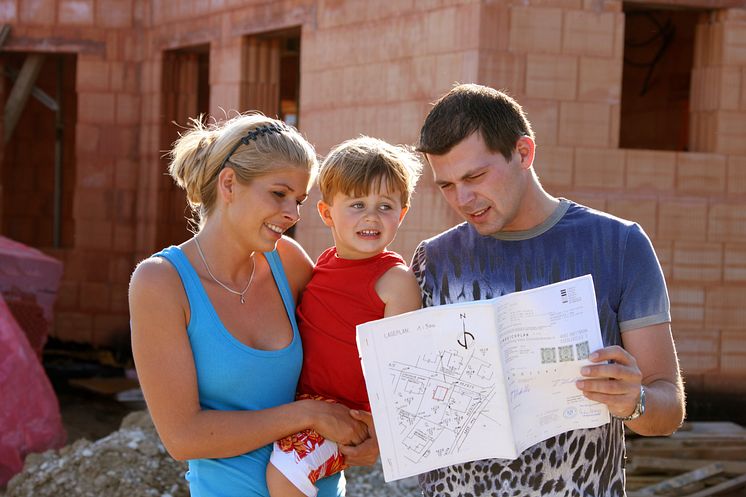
(366,453)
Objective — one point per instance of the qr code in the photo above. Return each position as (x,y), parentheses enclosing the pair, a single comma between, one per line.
(548,355)
(583,350)
(565,353)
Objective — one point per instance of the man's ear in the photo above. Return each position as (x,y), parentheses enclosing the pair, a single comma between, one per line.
(325,213)
(403,213)
(526,148)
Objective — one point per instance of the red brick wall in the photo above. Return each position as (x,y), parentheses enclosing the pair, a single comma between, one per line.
(373,67)
(92,301)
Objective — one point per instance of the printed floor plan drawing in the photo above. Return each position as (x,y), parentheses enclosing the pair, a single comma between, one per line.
(480,380)
(439,399)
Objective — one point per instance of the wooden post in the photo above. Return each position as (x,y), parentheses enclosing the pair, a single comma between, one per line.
(20,92)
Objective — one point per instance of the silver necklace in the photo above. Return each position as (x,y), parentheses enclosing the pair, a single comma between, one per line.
(240,294)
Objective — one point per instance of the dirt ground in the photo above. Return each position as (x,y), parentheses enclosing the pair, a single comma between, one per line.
(103,458)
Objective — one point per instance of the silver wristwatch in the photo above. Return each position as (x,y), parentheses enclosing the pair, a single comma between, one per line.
(639,408)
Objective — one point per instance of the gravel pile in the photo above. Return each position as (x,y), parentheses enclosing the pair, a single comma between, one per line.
(368,482)
(132,462)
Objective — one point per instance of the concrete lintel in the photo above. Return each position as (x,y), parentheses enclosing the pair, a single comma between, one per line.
(54,45)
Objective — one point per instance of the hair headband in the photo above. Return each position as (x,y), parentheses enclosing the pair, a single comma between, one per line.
(254,134)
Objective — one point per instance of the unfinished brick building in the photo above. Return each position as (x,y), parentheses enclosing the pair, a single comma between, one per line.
(639,109)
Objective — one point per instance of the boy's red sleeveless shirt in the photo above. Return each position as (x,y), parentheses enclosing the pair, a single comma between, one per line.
(340,295)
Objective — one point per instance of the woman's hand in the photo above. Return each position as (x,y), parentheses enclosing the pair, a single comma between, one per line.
(365,454)
(334,422)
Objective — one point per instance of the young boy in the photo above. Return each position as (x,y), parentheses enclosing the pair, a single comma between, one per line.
(366,185)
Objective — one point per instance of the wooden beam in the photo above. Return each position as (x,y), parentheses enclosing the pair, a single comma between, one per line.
(677,482)
(4,33)
(642,464)
(21,91)
(726,486)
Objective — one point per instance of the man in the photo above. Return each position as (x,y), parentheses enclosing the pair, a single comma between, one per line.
(481,149)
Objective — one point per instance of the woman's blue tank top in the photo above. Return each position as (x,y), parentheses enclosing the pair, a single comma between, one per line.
(233,376)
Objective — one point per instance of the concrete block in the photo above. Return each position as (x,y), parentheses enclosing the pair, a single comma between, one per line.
(94,296)
(8,13)
(700,173)
(687,304)
(127,109)
(733,349)
(588,33)
(730,88)
(734,43)
(96,108)
(735,263)
(494,27)
(535,30)
(75,12)
(724,308)
(114,14)
(651,169)
(94,235)
(37,12)
(551,76)
(599,168)
(92,75)
(698,351)
(697,261)
(600,80)
(683,219)
(736,180)
(727,222)
(730,137)
(584,124)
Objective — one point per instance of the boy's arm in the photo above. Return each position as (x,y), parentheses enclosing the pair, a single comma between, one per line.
(399,291)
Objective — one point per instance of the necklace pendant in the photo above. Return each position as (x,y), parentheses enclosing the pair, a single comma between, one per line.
(242,300)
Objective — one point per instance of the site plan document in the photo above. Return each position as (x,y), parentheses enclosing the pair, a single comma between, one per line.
(484,379)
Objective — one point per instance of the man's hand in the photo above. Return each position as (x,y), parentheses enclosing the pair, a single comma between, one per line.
(616,384)
(366,453)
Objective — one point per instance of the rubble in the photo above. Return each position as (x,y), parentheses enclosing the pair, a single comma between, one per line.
(130,462)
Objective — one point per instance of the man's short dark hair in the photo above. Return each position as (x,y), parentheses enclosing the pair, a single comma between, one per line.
(468,108)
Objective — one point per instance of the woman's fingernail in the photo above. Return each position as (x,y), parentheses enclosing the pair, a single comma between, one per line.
(593,355)
(585,370)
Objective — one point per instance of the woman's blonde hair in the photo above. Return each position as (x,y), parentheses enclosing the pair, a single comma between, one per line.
(251,144)
(355,166)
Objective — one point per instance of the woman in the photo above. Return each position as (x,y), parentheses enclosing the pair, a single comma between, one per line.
(213,327)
